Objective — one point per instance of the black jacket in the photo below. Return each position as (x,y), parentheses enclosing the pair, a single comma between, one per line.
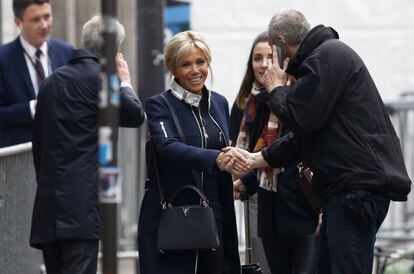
(65,150)
(339,120)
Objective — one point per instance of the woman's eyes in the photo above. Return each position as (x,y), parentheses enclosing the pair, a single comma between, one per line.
(259,58)
(198,63)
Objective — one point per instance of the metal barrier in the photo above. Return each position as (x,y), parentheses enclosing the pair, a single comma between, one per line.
(395,239)
(399,223)
(17,191)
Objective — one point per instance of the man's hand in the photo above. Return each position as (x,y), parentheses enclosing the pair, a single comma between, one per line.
(275,76)
(240,166)
(122,68)
(232,160)
(239,188)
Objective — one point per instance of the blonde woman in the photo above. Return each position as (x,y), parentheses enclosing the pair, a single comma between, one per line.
(203,115)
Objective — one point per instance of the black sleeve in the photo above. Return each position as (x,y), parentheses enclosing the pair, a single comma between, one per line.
(131,111)
(282,152)
(250,182)
(308,106)
(236,116)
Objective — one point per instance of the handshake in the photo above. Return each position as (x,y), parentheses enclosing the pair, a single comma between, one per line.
(238,162)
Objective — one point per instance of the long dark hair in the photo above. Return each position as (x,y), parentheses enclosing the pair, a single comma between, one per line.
(248,79)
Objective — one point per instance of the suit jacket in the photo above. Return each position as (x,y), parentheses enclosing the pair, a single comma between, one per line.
(65,150)
(16,89)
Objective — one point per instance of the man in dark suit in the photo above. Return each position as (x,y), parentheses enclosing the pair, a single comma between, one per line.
(24,63)
(65,222)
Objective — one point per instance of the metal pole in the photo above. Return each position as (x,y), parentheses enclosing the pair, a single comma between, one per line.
(150,47)
(150,33)
(248,246)
(109,183)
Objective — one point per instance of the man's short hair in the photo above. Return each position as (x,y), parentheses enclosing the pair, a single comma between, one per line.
(92,39)
(19,6)
(291,24)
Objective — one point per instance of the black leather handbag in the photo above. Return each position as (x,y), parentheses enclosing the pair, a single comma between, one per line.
(190,227)
(187,227)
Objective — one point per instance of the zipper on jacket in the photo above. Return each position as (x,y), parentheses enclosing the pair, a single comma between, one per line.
(199,128)
(203,127)
(202,136)
(221,131)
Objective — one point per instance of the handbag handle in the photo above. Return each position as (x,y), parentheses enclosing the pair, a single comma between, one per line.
(157,176)
(204,200)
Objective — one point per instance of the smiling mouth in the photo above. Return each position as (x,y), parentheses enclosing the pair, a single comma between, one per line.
(196,80)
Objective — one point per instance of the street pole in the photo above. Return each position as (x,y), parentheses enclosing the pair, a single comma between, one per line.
(109,175)
(150,74)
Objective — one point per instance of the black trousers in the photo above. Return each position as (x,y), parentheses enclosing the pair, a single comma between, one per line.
(71,256)
(350,223)
(291,256)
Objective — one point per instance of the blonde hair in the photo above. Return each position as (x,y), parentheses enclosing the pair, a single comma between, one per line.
(181,44)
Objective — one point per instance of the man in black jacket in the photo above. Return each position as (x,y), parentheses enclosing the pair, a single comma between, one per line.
(66,223)
(343,130)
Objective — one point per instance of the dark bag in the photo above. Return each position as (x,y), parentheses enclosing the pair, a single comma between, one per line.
(190,227)
(187,227)
(305,182)
(251,269)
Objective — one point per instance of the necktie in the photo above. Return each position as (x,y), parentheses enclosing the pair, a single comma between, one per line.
(40,73)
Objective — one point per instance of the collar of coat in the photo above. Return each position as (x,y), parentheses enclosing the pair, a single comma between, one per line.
(184,95)
(313,39)
(80,54)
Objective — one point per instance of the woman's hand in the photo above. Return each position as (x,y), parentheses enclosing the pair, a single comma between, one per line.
(238,188)
(233,160)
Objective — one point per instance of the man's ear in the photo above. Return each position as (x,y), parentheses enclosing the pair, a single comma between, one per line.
(18,22)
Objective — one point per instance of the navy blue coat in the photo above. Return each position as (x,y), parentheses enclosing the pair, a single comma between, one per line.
(175,161)
(65,150)
(16,89)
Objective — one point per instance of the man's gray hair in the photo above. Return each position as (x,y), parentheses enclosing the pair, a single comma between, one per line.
(92,39)
(291,24)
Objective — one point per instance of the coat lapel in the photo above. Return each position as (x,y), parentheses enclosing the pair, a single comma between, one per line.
(21,64)
(52,55)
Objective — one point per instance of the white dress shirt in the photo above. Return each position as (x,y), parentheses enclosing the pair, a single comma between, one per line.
(30,57)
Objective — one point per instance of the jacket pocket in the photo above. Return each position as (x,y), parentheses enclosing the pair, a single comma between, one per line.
(389,156)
